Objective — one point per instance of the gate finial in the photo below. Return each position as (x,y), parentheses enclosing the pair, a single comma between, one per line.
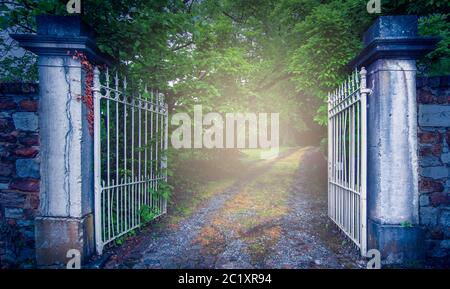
(364,88)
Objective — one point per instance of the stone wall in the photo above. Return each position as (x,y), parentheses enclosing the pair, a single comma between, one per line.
(433,97)
(19,173)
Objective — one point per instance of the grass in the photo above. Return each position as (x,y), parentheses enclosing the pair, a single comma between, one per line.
(186,203)
(254,155)
(184,206)
(253,214)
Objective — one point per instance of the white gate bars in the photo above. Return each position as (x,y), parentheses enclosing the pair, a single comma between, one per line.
(130,164)
(347,152)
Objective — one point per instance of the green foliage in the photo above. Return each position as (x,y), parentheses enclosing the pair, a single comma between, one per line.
(164,190)
(418,7)
(13,69)
(406,224)
(328,43)
(18,17)
(436,62)
(121,240)
(256,55)
(148,213)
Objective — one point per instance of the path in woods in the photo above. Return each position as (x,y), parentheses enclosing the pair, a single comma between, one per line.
(272,217)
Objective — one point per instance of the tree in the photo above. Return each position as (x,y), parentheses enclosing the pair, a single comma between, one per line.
(254,55)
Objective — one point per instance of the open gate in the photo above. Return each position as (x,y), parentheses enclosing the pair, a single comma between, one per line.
(130,143)
(347,158)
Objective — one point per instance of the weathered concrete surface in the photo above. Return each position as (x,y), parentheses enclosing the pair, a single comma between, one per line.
(399,242)
(392,143)
(66,146)
(391,27)
(55,236)
(66,192)
(392,162)
(391,47)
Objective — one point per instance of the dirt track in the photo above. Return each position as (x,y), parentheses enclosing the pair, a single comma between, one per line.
(272,217)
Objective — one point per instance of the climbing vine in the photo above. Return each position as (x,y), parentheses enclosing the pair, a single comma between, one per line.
(88,97)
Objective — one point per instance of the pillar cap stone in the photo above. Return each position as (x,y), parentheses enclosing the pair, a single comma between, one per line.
(56,35)
(393,37)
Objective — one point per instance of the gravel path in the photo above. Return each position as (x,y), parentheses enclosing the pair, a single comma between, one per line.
(237,229)
(310,239)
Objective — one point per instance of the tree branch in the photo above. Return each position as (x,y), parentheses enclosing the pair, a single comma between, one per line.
(274,81)
(182,46)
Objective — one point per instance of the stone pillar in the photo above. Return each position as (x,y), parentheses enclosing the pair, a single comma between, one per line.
(65,218)
(391,49)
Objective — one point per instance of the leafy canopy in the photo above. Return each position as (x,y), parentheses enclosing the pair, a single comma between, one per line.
(254,55)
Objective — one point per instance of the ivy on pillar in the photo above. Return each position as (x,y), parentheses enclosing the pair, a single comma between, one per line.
(65,218)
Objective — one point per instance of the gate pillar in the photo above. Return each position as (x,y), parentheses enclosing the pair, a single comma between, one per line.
(391,49)
(65,220)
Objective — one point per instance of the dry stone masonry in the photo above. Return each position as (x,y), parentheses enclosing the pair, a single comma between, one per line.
(19,172)
(433,97)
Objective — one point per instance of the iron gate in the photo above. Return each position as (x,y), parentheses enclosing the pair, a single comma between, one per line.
(130,142)
(347,153)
